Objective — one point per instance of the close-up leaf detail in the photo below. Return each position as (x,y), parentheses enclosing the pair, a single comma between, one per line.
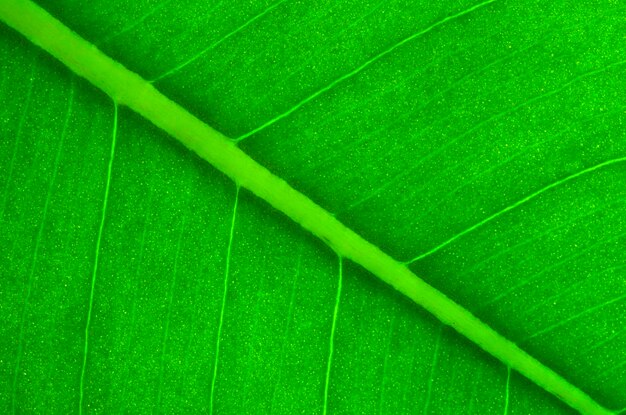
(420,208)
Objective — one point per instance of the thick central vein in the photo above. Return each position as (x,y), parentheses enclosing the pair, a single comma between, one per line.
(128,88)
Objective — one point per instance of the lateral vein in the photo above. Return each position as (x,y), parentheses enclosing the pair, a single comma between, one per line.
(517,204)
(331,342)
(362,67)
(224,296)
(95,264)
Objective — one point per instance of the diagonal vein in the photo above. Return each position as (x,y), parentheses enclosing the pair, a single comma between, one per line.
(517,204)
(363,66)
(216,43)
(128,88)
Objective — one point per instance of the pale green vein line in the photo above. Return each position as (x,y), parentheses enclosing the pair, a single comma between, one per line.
(507,393)
(574,317)
(217,43)
(362,67)
(331,343)
(96,260)
(168,319)
(18,135)
(29,284)
(515,205)
(433,368)
(223,308)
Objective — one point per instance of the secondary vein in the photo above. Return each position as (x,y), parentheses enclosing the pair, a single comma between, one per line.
(507,391)
(223,307)
(362,67)
(517,204)
(331,343)
(95,264)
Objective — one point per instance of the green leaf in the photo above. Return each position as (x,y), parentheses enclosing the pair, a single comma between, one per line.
(479,142)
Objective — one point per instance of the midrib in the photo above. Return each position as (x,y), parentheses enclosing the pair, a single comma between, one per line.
(128,88)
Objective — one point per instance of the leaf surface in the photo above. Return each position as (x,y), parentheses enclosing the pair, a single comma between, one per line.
(482,139)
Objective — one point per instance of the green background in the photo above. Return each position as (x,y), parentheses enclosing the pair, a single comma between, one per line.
(423,143)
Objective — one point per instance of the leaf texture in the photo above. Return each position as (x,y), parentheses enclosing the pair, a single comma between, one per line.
(431,142)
